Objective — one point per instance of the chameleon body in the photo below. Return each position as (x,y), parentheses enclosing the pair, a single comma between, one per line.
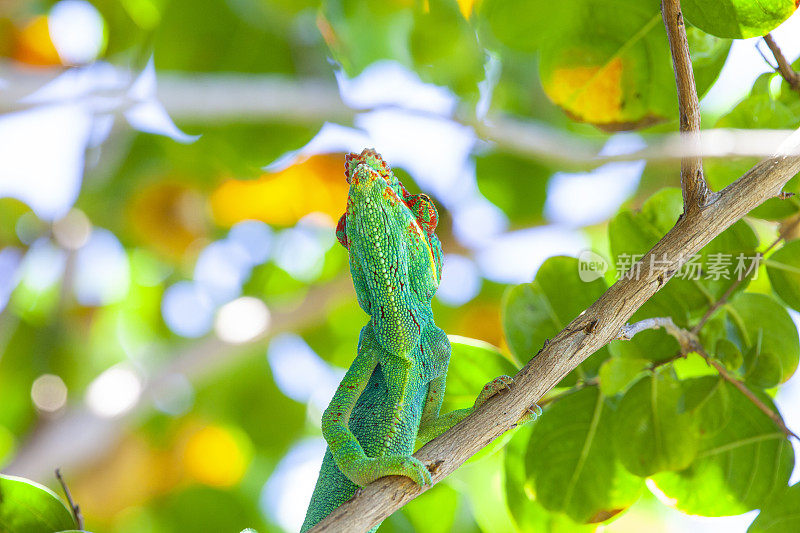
(390,397)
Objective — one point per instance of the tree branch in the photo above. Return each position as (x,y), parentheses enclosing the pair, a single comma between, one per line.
(785,69)
(693,183)
(215,98)
(587,333)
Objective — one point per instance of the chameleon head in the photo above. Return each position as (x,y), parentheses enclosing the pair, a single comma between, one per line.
(395,256)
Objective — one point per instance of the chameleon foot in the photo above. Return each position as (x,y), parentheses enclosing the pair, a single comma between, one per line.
(369,469)
(497,385)
(530,414)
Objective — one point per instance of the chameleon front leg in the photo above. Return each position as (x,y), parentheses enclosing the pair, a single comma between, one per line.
(347,452)
(433,424)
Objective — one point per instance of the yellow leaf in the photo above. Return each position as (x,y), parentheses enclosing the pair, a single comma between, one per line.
(592,93)
(316,184)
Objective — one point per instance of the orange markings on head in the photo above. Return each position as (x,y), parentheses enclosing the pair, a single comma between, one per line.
(390,196)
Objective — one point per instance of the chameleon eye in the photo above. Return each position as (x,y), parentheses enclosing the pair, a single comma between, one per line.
(341,231)
(424,210)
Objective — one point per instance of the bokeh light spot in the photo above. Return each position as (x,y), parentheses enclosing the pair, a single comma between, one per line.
(214,456)
(286,494)
(461,280)
(255,237)
(242,320)
(76,29)
(72,230)
(187,310)
(102,271)
(221,269)
(114,392)
(49,393)
(299,372)
(10,261)
(43,265)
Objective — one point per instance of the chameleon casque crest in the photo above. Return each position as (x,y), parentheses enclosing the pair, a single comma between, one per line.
(390,397)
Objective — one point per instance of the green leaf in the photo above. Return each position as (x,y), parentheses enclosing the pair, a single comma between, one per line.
(364,31)
(767,336)
(473,363)
(534,312)
(529,516)
(570,450)
(618,373)
(729,355)
(523,25)
(780,514)
(783,269)
(708,402)
(610,65)
(650,434)
(445,49)
(482,483)
(516,185)
(27,507)
(737,19)
(738,468)
(435,39)
(191,39)
(708,56)
(758,111)
(435,512)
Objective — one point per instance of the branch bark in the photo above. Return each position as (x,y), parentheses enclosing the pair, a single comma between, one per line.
(587,333)
(693,183)
(785,69)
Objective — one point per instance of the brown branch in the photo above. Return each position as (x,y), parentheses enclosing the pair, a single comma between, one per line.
(76,510)
(693,183)
(587,333)
(785,69)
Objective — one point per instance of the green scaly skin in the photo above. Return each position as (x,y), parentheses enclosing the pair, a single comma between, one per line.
(390,397)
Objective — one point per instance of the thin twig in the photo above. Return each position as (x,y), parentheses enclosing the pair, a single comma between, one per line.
(76,510)
(693,184)
(730,378)
(690,343)
(765,58)
(684,337)
(785,69)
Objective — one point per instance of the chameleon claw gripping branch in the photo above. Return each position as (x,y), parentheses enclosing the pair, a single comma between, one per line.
(391,395)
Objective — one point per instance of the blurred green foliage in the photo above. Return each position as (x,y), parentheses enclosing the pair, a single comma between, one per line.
(213,421)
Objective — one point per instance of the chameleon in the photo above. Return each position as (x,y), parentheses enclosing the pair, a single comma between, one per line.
(390,397)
